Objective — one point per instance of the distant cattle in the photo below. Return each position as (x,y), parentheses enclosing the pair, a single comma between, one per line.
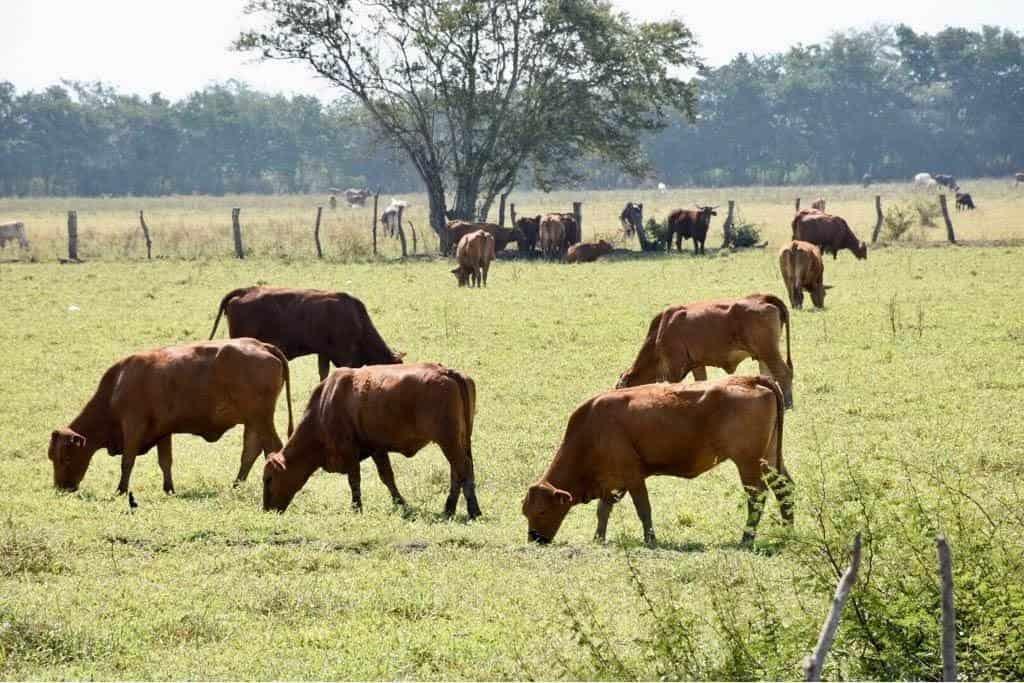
(802,269)
(924,180)
(367,412)
(866,180)
(10,232)
(474,255)
(202,388)
(946,181)
(631,218)
(830,233)
(964,202)
(573,235)
(332,201)
(662,188)
(357,196)
(617,439)
(721,333)
(818,204)
(391,217)
(1019,178)
(457,229)
(333,325)
(687,224)
(585,252)
(529,233)
(552,236)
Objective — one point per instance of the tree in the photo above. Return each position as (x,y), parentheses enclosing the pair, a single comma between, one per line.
(477,92)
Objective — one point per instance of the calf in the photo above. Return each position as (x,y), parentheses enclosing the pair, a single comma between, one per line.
(585,252)
(203,388)
(689,223)
(552,236)
(631,218)
(333,325)
(830,233)
(10,232)
(474,254)
(617,439)
(366,412)
(721,333)
(802,268)
(964,201)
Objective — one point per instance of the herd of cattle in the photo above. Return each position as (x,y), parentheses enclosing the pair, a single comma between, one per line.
(374,404)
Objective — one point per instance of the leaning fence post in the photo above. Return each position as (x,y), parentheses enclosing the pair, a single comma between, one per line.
(512,213)
(950,235)
(373,224)
(815,662)
(316,233)
(236,231)
(948,611)
(413,229)
(577,212)
(145,234)
(727,236)
(878,218)
(798,205)
(73,236)
(401,233)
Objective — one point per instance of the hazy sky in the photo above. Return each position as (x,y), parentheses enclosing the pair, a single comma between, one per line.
(176,46)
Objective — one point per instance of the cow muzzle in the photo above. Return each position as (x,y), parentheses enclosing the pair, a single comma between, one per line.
(534,537)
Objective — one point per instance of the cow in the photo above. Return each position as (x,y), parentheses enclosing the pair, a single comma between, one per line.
(474,255)
(818,204)
(689,223)
(617,439)
(1019,176)
(662,188)
(866,180)
(457,229)
(719,332)
(391,217)
(333,325)
(367,412)
(529,231)
(631,218)
(357,196)
(573,235)
(552,236)
(201,388)
(830,233)
(964,201)
(9,232)
(924,180)
(946,181)
(802,268)
(332,202)
(585,252)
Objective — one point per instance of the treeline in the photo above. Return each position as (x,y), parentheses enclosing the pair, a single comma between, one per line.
(889,102)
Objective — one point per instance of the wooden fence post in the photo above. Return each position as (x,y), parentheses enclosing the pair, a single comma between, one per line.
(815,662)
(950,235)
(798,205)
(401,233)
(73,237)
(413,229)
(512,213)
(316,233)
(878,218)
(501,209)
(236,231)
(948,611)
(373,224)
(145,234)
(577,212)
(727,237)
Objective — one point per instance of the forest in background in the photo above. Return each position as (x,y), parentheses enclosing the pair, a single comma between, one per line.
(887,101)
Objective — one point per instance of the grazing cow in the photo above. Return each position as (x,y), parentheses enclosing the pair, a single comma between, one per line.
(202,388)
(830,233)
(924,180)
(617,439)
(818,204)
(333,325)
(474,254)
(357,196)
(10,232)
(1019,177)
(802,268)
(367,412)
(964,201)
(585,252)
(552,236)
(866,179)
(946,181)
(689,223)
(529,233)
(458,229)
(721,333)
(391,217)
(631,218)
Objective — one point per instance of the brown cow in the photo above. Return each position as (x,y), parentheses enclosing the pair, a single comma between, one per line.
(802,269)
(202,388)
(573,234)
(721,333)
(502,236)
(552,236)
(830,233)
(585,252)
(529,231)
(474,254)
(617,439)
(333,325)
(689,223)
(366,412)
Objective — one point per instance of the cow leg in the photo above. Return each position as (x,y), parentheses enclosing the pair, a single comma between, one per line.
(643,510)
(324,365)
(354,484)
(700,373)
(461,480)
(604,511)
(782,486)
(777,369)
(252,445)
(751,476)
(163,450)
(387,475)
(696,250)
(131,449)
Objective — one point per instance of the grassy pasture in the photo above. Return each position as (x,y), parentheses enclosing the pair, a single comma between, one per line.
(907,392)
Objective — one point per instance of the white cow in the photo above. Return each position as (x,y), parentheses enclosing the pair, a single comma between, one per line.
(356,197)
(662,188)
(924,180)
(390,216)
(13,231)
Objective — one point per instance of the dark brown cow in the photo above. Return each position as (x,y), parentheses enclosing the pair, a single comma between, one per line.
(690,223)
(585,252)
(474,255)
(573,234)
(203,388)
(366,412)
(631,218)
(830,233)
(502,236)
(552,236)
(721,333)
(964,201)
(333,325)
(802,268)
(618,439)
(529,230)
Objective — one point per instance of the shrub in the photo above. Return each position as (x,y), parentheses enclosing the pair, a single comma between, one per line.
(927,211)
(744,233)
(899,219)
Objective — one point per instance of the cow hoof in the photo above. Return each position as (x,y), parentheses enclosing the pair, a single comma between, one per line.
(357,507)
(122,491)
(747,541)
(169,490)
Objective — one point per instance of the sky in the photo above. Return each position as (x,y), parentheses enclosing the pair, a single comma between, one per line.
(177,46)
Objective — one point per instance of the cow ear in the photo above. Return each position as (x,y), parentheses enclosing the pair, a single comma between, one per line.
(563,496)
(455,271)
(828,286)
(77,440)
(275,462)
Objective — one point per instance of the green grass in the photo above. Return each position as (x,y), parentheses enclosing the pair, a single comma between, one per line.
(915,367)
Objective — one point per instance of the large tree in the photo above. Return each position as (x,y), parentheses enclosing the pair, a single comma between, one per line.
(478,92)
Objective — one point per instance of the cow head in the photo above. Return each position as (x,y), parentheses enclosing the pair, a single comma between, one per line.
(462,275)
(70,456)
(544,508)
(705,213)
(282,480)
(604,247)
(860,250)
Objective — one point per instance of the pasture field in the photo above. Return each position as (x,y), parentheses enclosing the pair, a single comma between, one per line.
(908,389)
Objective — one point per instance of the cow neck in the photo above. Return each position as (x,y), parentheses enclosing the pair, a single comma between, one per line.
(562,475)
(96,424)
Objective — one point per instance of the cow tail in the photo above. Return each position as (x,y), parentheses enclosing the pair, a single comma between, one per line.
(780,410)
(784,318)
(796,223)
(467,407)
(796,279)
(223,304)
(287,383)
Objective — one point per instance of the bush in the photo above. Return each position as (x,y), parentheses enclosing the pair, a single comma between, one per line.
(927,211)
(899,218)
(744,233)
